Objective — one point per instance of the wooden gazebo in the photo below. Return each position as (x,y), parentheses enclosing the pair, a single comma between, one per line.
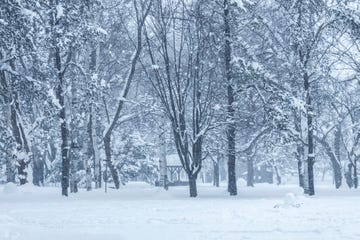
(175,171)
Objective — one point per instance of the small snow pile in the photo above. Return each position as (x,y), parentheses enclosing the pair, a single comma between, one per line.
(10,188)
(290,200)
(241,182)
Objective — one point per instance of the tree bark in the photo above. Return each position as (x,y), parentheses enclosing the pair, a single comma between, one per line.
(299,155)
(336,163)
(310,137)
(93,151)
(232,188)
(65,160)
(192,185)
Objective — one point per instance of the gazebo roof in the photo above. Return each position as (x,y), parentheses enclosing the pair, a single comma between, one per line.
(173,160)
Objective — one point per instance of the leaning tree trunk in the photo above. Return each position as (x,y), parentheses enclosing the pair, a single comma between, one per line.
(232,188)
(21,164)
(334,158)
(114,173)
(124,93)
(22,147)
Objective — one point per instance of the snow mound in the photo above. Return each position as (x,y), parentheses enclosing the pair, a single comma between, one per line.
(290,200)
(10,188)
(241,182)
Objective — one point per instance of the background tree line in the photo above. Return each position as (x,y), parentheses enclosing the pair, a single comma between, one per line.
(101,90)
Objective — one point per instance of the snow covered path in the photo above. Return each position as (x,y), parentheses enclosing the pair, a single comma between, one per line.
(140,211)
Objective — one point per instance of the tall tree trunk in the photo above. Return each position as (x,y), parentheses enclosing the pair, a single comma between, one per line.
(299,154)
(65,160)
(60,95)
(232,188)
(336,165)
(73,157)
(163,161)
(10,166)
(310,137)
(93,151)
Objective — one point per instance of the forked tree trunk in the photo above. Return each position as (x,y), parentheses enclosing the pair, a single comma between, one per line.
(22,147)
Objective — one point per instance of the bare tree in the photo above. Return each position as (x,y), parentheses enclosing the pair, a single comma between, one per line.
(142,9)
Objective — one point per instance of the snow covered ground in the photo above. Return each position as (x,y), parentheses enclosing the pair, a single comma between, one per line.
(140,211)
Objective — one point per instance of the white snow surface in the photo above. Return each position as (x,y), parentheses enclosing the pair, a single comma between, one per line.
(141,211)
